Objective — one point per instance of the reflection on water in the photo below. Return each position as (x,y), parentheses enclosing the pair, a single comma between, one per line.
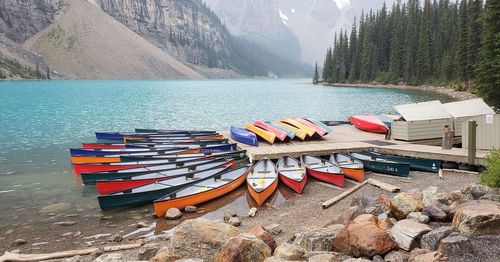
(238,200)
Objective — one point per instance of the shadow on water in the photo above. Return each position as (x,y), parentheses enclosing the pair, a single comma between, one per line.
(238,200)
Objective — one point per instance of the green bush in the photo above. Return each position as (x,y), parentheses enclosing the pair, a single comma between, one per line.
(491,176)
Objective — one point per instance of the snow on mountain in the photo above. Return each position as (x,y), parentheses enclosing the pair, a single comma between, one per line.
(342,3)
(283,17)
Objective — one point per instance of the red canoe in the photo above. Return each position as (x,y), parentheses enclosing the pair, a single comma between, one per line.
(319,130)
(323,170)
(292,173)
(102,146)
(91,168)
(282,136)
(369,124)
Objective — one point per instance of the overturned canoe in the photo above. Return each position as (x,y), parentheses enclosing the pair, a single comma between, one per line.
(262,133)
(420,164)
(311,132)
(202,192)
(290,134)
(369,124)
(299,133)
(280,134)
(262,180)
(382,165)
(292,173)
(320,131)
(319,124)
(243,136)
(352,167)
(323,170)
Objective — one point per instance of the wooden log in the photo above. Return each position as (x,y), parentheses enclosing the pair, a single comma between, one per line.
(385,186)
(339,197)
(8,256)
(459,171)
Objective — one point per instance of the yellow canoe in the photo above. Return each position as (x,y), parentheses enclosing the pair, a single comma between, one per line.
(309,131)
(298,132)
(266,135)
(93,159)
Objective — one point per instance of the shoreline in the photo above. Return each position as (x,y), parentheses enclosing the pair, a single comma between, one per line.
(445,90)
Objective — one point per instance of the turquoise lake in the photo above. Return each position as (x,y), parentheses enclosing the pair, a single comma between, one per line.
(40,120)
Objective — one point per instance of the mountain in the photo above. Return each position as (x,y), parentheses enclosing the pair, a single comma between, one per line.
(135,39)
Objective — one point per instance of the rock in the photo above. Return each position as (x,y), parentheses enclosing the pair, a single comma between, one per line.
(229,214)
(202,237)
(77,233)
(435,213)
(190,209)
(148,251)
(456,196)
(116,238)
(290,252)
(275,259)
(491,197)
(480,217)
(252,212)
(19,242)
(54,207)
(429,195)
(190,260)
(419,217)
(456,245)
(377,258)
(165,255)
(385,223)
(274,229)
(429,257)
(346,216)
(173,213)
(375,210)
(110,257)
(328,257)
(234,221)
(431,240)
(477,191)
(364,201)
(74,259)
(397,256)
(141,224)
(407,233)
(404,203)
(317,239)
(65,223)
(356,260)
(363,237)
(244,247)
(264,235)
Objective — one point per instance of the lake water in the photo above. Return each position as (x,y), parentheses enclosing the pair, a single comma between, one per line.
(40,120)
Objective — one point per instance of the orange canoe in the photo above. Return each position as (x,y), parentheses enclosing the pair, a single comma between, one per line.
(201,192)
(262,181)
(352,168)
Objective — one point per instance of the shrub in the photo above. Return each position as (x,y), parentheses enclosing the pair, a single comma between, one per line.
(491,176)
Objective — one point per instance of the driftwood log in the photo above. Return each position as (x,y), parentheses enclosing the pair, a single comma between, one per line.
(385,186)
(8,256)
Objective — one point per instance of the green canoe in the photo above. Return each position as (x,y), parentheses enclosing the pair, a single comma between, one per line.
(420,164)
(382,165)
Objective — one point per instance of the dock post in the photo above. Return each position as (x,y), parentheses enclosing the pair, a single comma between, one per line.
(472,142)
(448,135)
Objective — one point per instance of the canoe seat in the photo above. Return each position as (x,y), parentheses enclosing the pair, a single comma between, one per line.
(263,177)
(263,172)
(289,165)
(296,169)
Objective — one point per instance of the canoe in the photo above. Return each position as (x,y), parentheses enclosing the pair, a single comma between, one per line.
(243,136)
(352,167)
(201,192)
(292,173)
(382,165)
(299,133)
(320,131)
(323,170)
(122,151)
(121,136)
(116,158)
(290,134)
(262,180)
(319,124)
(148,193)
(369,124)
(266,135)
(173,131)
(159,139)
(420,164)
(136,162)
(386,120)
(116,185)
(165,171)
(281,135)
(309,131)
(145,144)
(180,156)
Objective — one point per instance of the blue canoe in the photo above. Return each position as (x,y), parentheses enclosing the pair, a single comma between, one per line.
(289,133)
(319,124)
(244,136)
(150,151)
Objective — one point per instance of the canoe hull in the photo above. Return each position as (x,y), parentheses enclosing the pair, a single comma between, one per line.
(369,124)
(243,136)
(161,207)
(331,178)
(108,202)
(357,174)
(281,135)
(260,197)
(84,168)
(420,164)
(395,169)
(266,135)
(297,186)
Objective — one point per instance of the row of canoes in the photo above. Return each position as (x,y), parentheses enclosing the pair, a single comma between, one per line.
(283,130)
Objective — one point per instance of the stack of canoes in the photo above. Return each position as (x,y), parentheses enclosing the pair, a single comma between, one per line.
(283,130)
(375,124)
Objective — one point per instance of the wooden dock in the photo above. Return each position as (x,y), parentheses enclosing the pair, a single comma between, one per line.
(347,138)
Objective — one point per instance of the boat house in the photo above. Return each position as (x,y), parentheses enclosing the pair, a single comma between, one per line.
(462,111)
(487,132)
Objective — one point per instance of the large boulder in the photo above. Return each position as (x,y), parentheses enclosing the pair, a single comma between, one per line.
(346,216)
(404,203)
(317,239)
(431,196)
(264,235)
(477,191)
(363,237)
(244,247)
(407,233)
(290,252)
(431,240)
(435,213)
(480,217)
(201,237)
(456,245)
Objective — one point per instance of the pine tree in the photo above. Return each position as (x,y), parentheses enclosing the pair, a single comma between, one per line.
(327,66)
(462,49)
(352,53)
(489,57)
(316,74)
(424,68)
(474,29)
